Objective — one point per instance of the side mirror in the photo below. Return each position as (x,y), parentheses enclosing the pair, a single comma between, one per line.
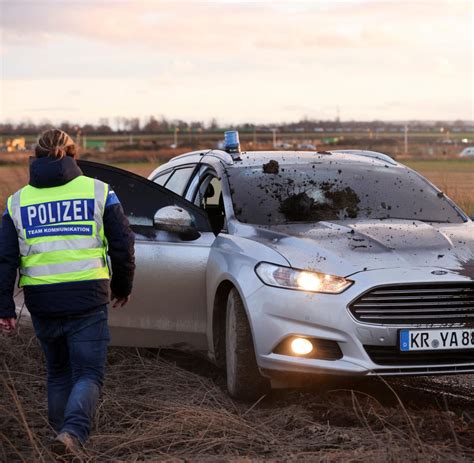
(174,219)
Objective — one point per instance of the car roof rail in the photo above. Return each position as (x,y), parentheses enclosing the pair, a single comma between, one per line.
(189,154)
(220,154)
(369,154)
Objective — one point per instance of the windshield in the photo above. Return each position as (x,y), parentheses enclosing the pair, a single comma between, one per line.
(271,194)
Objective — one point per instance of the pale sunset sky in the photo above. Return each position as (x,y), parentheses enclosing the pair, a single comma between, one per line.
(267,61)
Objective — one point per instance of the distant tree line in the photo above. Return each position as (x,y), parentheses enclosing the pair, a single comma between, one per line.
(154,125)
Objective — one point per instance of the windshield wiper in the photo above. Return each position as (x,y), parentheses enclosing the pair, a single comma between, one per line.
(411,219)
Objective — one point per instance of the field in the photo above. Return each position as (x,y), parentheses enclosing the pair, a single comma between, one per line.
(163,405)
(166,406)
(453,176)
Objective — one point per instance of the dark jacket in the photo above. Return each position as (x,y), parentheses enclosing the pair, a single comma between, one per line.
(67,298)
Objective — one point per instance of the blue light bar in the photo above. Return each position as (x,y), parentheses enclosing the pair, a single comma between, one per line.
(231,142)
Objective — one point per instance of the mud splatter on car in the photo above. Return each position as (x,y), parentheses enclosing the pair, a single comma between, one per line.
(336,204)
(271,167)
(289,192)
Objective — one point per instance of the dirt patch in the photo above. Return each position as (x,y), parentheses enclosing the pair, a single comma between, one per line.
(271,167)
(336,204)
(300,207)
(164,405)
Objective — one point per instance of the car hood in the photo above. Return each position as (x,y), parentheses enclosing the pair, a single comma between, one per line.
(347,247)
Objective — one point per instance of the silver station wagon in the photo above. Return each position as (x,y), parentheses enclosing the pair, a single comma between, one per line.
(280,264)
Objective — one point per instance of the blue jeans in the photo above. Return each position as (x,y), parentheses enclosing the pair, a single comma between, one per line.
(75,348)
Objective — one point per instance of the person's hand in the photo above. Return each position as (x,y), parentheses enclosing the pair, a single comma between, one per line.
(118,302)
(7,324)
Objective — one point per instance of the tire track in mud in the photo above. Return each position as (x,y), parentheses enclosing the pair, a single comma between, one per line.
(459,389)
(454,392)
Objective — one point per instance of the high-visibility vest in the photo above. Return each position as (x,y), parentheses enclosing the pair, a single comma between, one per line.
(61,232)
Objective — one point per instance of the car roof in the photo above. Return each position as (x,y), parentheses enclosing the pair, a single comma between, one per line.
(257,158)
(249,158)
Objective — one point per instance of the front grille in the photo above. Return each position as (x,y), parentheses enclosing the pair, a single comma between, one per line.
(415,304)
(391,355)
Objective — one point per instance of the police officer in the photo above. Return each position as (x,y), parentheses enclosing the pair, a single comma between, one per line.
(58,231)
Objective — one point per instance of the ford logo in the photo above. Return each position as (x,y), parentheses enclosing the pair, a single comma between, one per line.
(439,272)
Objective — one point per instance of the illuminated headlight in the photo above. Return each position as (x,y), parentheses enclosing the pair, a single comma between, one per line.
(289,278)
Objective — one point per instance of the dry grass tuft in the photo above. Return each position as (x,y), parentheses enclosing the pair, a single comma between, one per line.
(171,406)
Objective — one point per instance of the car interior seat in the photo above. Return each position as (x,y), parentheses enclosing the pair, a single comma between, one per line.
(215,212)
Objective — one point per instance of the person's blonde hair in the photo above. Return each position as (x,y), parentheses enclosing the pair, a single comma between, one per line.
(56,144)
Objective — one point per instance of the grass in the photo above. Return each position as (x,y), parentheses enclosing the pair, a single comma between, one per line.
(143,169)
(12,177)
(453,176)
(451,165)
(163,405)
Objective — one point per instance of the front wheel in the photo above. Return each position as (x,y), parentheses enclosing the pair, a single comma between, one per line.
(244,380)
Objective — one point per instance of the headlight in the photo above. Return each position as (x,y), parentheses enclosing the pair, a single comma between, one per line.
(286,277)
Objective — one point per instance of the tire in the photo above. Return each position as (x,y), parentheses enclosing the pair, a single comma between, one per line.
(244,381)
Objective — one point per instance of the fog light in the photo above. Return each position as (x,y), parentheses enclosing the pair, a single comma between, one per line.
(301,346)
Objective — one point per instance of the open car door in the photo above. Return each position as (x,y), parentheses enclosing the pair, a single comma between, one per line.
(168,302)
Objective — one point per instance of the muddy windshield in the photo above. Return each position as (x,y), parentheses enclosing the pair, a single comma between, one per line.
(272,194)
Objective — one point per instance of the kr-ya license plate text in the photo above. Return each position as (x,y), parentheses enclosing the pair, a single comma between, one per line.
(417,340)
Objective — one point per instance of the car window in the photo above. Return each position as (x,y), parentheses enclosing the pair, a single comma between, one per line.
(213,199)
(141,198)
(208,197)
(278,194)
(179,179)
(162,178)
(209,192)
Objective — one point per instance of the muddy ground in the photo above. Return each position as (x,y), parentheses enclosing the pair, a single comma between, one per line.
(166,405)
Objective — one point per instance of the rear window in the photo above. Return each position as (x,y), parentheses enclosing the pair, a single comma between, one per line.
(179,179)
(161,179)
(271,194)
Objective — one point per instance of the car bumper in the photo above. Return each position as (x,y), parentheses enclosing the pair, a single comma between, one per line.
(277,314)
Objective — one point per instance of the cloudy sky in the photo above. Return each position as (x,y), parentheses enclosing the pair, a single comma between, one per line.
(267,61)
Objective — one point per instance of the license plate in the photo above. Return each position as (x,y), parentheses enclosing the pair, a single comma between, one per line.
(418,340)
